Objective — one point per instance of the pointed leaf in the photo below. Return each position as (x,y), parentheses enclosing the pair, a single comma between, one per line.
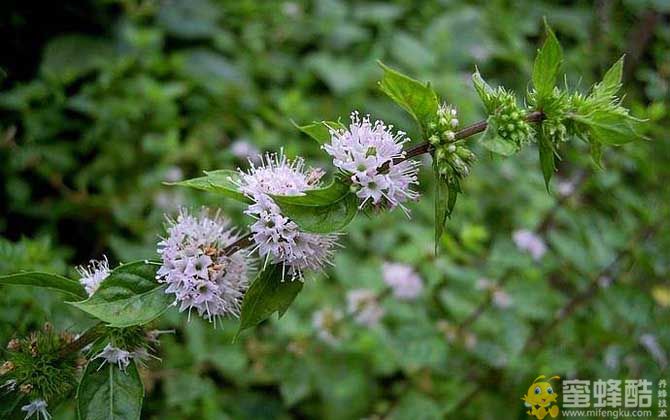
(609,127)
(417,98)
(320,130)
(547,65)
(221,181)
(611,83)
(484,91)
(46,280)
(547,159)
(269,293)
(129,296)
(107,393)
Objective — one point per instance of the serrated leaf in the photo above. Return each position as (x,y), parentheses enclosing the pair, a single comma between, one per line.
(547,159)
(484,90)
(320,130)
(129,296)
(46,280)
(418,99)
(107,393)
(547,65)
(269,293)
(493,142)
(609,127)
(324,210)
(221,181)
(611,83)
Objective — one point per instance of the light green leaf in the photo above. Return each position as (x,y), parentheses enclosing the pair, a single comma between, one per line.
(46,280)
(129,296)
(107,393)
(485,92)
(493,142)
(323,210)
(221,181)
(611,83)
(445,200)
(609,127)
(320,130)
(547,65)
(269,293)
(547,159)
(418,99)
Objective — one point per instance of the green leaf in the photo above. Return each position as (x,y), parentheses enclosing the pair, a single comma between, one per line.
(611,83)
(445,200)
(46,280)
(609,126)
(493,142)
(417,98)
(269,293)
(129,296)
(320,130)
(484,90)
(325,210)
(107,393)
(547,159)
(68,57)
(221,181)
(547,65)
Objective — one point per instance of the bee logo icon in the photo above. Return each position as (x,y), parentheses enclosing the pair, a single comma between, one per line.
(540,397)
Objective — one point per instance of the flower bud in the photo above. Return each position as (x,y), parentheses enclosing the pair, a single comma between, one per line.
(6,368)
(14,344)
(26,388)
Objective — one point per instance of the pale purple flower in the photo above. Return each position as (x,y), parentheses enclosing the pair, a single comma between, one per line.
(403,280)
(530,242)
(277,237)
(174,174)
(483,283)
(501,299)
(566,188)
(37,408)
(363,305)
(367,152)
(325,322)
(93,274)
(651,344)
(114,356)
(243,149)
(197,269)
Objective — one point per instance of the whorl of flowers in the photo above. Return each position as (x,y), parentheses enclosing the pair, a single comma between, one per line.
(198,270)
(369,153)
(403,280)
(93,274)
(275,236)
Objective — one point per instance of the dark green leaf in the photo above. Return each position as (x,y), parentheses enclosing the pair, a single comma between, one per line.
(46,280)
(269,293)
(611,83)
(417,98)
(129,296)
(547,65)
(445,200)
(493,142)
(325,210)
(107,393)
(547,159)
(221,181)
(320,130)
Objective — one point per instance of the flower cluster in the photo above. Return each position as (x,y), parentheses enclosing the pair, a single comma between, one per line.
(93,274)
(403,280)
(528,241)
(452,159)
(276,236)
(198,268)
(509,120)
(325,321)
(363,305)
(372,156)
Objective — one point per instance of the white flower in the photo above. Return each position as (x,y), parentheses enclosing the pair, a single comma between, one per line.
(369,152)
(403,280)
(243,149)
(38,408)
(276,236)
(501,299)
(325,322)
(114,355)
(9,385)
(528,241)
(93,274)
(364,306)
(196,268)
(566,188)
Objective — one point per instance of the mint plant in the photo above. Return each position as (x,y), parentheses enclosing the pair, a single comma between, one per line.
(210,268)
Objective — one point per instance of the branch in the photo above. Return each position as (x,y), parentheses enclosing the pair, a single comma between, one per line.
(91,335)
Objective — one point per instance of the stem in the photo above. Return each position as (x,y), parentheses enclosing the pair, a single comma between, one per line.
(471,130)
(242,242)
(84,340)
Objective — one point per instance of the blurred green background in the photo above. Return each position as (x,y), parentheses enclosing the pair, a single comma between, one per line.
(102,101)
